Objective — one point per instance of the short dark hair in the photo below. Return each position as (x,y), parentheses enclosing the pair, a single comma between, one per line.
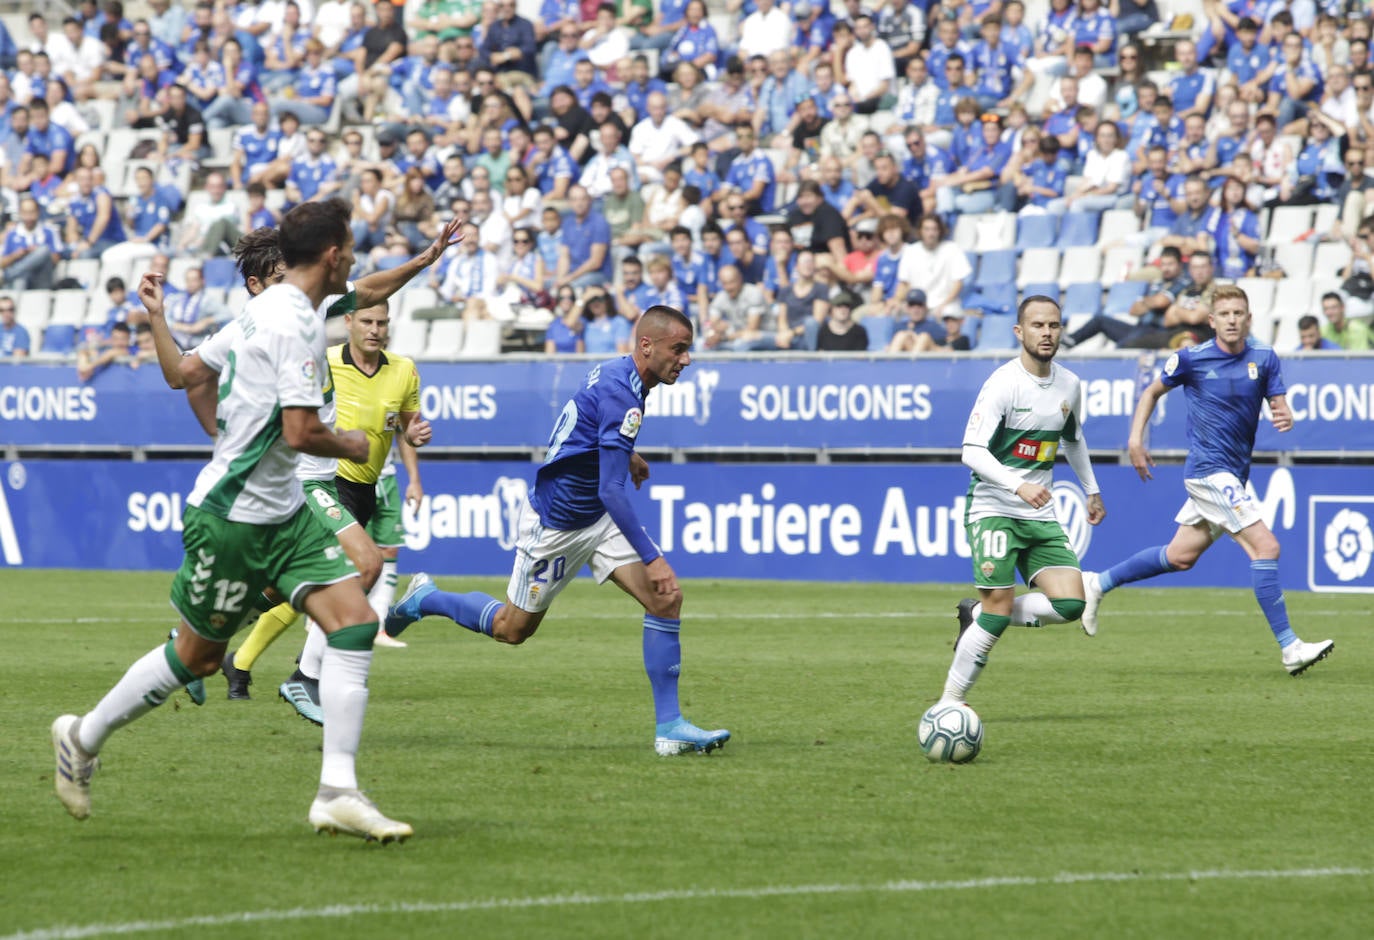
(1172,252)
(114,284)
(312,228)
(1308,322)
(659,316)
(1332,295)
(677,230)
(258,253)
(1034,299)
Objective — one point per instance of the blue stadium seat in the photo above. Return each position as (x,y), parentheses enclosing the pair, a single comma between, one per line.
(880,329)
(1079,230)
(1083,298)
(220,273)
(1122,294)
(996,332)
(999,298)
(59,338)
(1047,289)
(1036,231)
(996,267)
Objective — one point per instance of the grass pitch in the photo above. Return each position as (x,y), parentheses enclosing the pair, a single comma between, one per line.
(1165,779)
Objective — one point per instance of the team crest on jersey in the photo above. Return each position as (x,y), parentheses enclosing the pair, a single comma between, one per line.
(630,426)
(218,621)
(334,512)
(1253,369)
(987,568)
(1064,409)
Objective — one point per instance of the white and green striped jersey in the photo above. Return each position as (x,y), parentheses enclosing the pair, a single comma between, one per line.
(389,467)
(311,467)
(1021,418)
(275,359)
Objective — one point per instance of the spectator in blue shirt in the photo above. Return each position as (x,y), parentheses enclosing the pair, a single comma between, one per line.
(14,338)
(565,332)
(313,174)
(52,140)
(1159,199)
(30,252)
(1234,232)
(254,149)
(1309,333)
(1193,87)
(995,67)
(585,257)
(93,224)
(559,63)
(1295,82)
(1040,181)
(695,41)
(973,187)
(285,52)
(1095,28)
(604,333)
(509,45)
(778,97)
(150,222)
(751,173)
(314,88)
(639,86)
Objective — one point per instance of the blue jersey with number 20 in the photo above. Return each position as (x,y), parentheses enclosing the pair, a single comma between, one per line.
(1224,394)
(592,440)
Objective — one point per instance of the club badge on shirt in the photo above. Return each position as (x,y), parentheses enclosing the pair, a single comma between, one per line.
(1253,369)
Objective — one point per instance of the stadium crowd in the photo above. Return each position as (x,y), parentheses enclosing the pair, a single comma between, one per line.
(813,175)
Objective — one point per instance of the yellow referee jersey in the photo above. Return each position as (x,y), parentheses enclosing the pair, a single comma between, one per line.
(372,404)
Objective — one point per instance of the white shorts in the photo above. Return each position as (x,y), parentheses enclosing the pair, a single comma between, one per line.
(1221,501)
(547,559)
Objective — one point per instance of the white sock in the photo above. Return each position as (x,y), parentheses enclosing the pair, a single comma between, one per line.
(384,591)
(146,685)
(343,698)
(1033,610)
(313,654)
(970,656)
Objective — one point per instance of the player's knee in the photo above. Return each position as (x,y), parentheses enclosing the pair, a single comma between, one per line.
(668,606)
(512,630)
(370,568)
(1181,561)
(1070,608)
(1266,547)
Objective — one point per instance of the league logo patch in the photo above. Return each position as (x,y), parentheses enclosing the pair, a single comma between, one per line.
(1171,366)
(630,426)
(393,421)
(1253,369)
(308,370)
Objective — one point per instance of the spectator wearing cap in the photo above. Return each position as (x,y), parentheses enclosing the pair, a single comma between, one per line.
(840,332)
(779,95)
(585,257)
(916,331)
(659,140)
(15,342)
(818,227)
(887,194)
(736,313)
(812,33)
(934,265)
(694,41)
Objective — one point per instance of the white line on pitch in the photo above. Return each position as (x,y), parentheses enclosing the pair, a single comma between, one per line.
(657,897)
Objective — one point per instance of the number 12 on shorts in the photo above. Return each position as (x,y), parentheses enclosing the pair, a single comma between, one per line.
(549,569)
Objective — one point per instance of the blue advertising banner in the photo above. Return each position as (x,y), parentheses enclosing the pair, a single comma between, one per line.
(893,523)
(718,404)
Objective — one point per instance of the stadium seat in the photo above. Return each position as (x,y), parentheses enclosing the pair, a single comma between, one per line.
(1322,285)
(998,298)
(445,339)
(1116,225)
(412,299)
(995,332)
(33,309)
(482,340)
(176,271)
(1038,265)
(996,231)
(1083,298)
(1262,327)
(1260,291)
(106,109)
(1081,266)
(1287,224)
(965,233)
(1048,289)
(408,337)
(221,273)
(996,267)
(1331,258)
(1121,294)
(1285,335)
(1119,263)
(1036,231)
(86,271)
(59,338)
(880,329)
(1291,298)
(1295,258)
(1327,214)
(68,307)
(1078,230)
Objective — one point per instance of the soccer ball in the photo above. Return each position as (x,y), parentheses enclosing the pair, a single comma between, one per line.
(950,734)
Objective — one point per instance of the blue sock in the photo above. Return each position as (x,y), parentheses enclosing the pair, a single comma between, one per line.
(662,661)
(1146,563)
(475,610)
(1264,576)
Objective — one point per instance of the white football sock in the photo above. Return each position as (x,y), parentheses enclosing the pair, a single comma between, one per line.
(313,654)
(970,656)
(343,699)
(1033,610)
(383,593)
(146,685)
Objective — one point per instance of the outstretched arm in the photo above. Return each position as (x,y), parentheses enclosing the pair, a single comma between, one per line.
(377,287)
(1140,454)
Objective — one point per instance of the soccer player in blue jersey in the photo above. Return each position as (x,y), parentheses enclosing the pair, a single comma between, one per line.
(580,514)
(1225,381)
